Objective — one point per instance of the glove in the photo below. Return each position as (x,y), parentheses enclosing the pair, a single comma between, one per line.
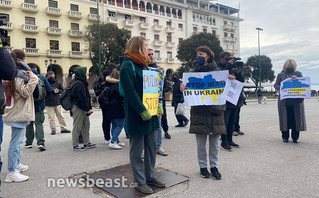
(146,115)
(160,109)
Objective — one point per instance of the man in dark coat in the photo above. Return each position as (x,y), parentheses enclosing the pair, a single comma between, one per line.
(178,98)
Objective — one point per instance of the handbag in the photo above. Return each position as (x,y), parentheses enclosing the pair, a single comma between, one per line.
(292,101)
(180,110)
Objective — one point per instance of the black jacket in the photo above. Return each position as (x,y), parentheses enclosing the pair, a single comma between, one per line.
(115,110)
(53,99)
(80,94)
(177,94)
(8,71)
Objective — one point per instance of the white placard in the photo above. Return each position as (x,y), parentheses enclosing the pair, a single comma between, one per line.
(232,91)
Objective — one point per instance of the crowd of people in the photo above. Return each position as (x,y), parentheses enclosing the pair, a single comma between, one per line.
(25,93)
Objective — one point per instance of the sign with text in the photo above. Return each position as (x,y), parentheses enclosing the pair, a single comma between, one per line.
(150,91)
(232,91)
(295,88)
(205,88)
(161,74)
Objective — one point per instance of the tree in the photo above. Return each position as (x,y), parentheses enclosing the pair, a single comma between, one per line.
(113,41)
(186,49)
(251,69)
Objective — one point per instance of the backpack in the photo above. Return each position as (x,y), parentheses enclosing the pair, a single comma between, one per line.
(41,90)
(97,86)
(65,97)
(104,98)
(120,86)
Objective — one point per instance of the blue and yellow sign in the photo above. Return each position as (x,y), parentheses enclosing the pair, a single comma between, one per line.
(150,91)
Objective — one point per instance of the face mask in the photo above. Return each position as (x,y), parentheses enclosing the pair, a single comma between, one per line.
(289,70)
(200,60)
(175,79)
(51,79)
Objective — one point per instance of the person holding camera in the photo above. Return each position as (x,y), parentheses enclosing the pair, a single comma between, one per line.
(228,63)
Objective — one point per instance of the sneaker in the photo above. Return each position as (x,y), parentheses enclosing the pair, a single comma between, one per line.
(144,189)
(204,173)
(295,141)
(240,132)
(28,146)
(233,144)
(107,141)
(216,175)
(156,183)
(235,133)
(226,147)
(66,131)
(114,146)
(21,168)
(186,122)
(89,145)
(53,133)
(121,143)
(15,176)
(167,136)
(285,140)
(79,148)
(42,148)
(161,152)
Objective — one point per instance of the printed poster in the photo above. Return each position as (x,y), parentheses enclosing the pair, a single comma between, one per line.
(150,91)
(204,88)
(161,74)
(232,91)
(297,88)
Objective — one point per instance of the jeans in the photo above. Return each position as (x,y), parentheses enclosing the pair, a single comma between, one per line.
(1,134)
(259,99)
(117,126)
(14,148)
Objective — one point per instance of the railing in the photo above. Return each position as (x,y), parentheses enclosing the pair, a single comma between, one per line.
(54,11)
(170,29)
(129,23)
(29,7)
(31,51)
(9,26)
(76,54)
(53,30)
(55,53)
(30,28)
(157,28)
(76,33)
(170,44)
(6,4)
(157,43)
(113,20)
(75,14)
(144,25)
(93,17)
(170,60)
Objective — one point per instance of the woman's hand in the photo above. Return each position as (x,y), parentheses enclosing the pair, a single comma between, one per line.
(182,87)
(293,77)
(232,77)
(28,73)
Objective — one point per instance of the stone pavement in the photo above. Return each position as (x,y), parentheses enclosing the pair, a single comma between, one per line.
(263,166)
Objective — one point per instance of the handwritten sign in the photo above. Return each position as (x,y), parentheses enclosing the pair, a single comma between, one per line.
(150,91)
(204,88)
(297,88)
(161,74)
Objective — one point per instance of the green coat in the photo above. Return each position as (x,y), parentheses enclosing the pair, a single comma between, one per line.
(208,119)
(133,100)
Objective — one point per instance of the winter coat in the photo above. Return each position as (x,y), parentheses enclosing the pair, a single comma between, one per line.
(115,109)
(177,94)
(80,94)
(40,105)
(53,99)
(299,110)
(207,119)
(23,105)
(133,101)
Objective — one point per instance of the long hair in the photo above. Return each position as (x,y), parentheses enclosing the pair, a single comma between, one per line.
(135,44)
(10,85)
(208,51)
(290,62)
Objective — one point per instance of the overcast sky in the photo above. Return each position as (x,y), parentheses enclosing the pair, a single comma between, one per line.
(290,30)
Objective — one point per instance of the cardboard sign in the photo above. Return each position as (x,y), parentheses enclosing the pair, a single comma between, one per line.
(297,88)
(150,91)
(161,74)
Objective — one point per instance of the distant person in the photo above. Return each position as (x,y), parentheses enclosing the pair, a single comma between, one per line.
(178,98)
(292,116)
(53,106)
(142,127)
(259,94)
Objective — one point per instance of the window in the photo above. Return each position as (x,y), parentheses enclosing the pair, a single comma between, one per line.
(225,22)
(205,30)
(232,23)
(214,32)
(143,34)
(53,4)
(30,43)
(180,27)
(53,24)
(29,1)
(111,14)
(232,35)
(142,19)
(75,46)
(194,18)
(29,20)
(54,45)
(74,7)
(8,41)
(127,17)
(5,19)
(75,26)
(157,54)
(169,38)
(93,11)
(169,55)
(156,22)
(168,24)
(180,40)
(194,29)
(225,34)
(156,37)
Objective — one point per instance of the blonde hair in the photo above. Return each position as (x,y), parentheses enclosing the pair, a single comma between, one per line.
(135,44)
(290,62)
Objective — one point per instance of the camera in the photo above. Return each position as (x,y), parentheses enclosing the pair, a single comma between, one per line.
(238,63)
(3,33)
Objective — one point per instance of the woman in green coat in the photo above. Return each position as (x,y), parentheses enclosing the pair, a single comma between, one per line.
(142,127)
(207,121)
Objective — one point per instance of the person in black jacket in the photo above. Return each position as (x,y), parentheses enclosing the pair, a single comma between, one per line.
(8,71)
(52,103)
(81,110)
(178,98)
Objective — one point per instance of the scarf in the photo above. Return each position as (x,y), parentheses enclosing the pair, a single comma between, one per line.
(138,58)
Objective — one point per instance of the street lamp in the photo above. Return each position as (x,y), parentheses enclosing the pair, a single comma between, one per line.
(98,35)
(259,29)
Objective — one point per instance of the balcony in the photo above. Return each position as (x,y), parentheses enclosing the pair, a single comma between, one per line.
(76,54)
(170,60)
(227,39)
(113,20)
(157,28)
(170,44)
(31,51)
(92,17)
(157,43)
(54,31)
(5,4)
(8,27)
(143,26)
(29,7)
(55,53)
(54,11)
(170,30)
(75,33)
(129,23)
(30,28)
(75,14)
(158,60)
(233,40)
(233,28)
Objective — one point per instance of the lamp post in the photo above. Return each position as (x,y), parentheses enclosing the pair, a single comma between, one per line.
(98,35)
(259,29)
(50,66)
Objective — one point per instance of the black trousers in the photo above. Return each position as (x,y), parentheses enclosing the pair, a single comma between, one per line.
(106,126)
(164,118)
(229,116)
(237,126)
(291,125)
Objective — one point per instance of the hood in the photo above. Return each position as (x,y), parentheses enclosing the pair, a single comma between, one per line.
(80,72)
(35,71)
